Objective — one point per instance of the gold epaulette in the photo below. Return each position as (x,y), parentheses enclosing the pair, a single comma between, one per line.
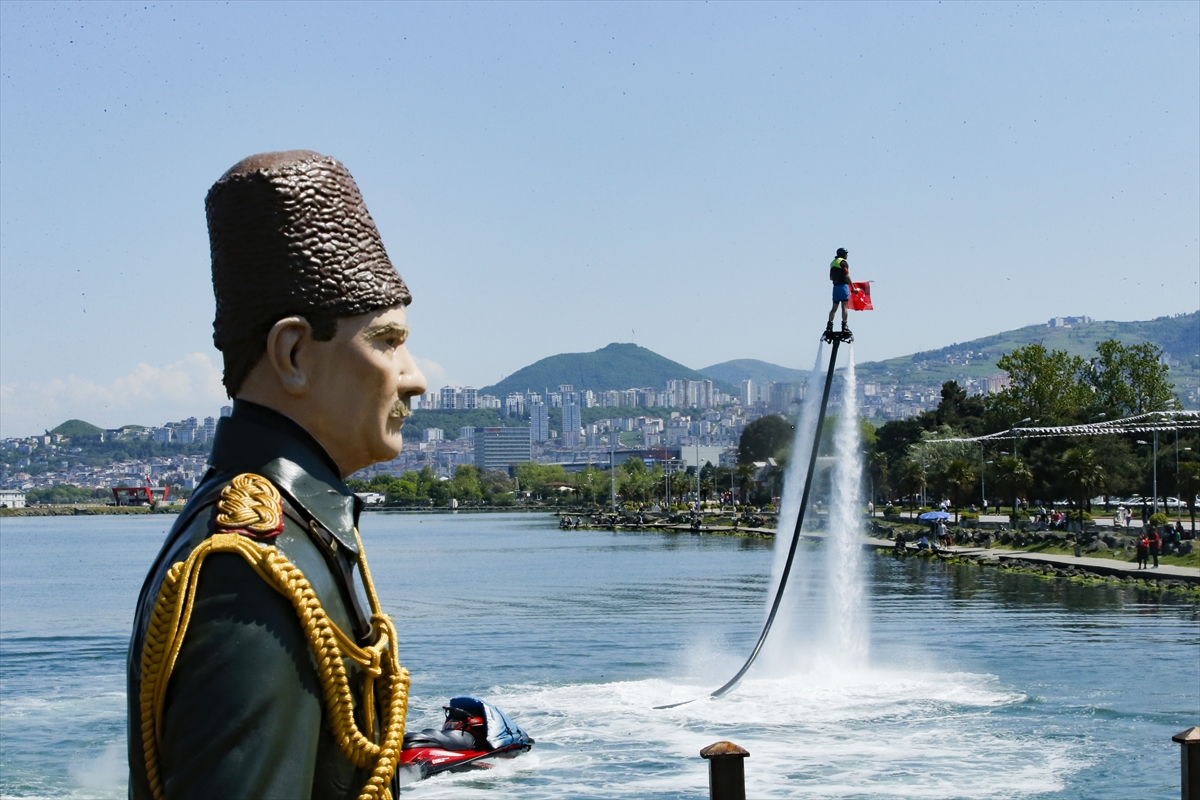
(250,509)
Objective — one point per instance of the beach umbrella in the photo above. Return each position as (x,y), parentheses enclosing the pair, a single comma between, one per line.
(933,516)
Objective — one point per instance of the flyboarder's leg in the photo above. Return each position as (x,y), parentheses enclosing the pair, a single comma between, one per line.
(832,311)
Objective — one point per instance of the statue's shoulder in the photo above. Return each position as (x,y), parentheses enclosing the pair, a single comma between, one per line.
(251,505)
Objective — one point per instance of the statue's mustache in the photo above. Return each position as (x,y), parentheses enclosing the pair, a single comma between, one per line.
(400,409)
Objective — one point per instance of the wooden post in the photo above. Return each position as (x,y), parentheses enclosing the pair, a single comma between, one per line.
(727,771)
(1189,763)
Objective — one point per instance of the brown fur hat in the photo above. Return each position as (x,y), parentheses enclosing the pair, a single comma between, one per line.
(290,234)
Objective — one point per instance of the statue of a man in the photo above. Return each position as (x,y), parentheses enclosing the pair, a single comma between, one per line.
(261,665)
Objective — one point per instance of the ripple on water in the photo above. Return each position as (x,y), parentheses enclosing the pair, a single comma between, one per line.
(852,734)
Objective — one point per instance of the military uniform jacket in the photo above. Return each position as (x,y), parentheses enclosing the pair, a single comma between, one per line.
(243,715)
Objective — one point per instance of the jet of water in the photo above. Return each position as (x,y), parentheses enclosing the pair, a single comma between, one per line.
(846,624)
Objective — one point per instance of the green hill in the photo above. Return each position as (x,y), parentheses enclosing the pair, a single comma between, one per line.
(751,369)
(1178,336)
(77,427)
(618,366)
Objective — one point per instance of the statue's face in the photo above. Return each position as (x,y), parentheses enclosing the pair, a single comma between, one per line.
(362,382)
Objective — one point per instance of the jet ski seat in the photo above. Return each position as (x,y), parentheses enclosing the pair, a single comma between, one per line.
(446,740)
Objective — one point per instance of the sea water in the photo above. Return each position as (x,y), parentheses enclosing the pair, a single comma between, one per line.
(976,682)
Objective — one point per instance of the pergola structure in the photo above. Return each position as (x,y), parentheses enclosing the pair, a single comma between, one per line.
(1150,422)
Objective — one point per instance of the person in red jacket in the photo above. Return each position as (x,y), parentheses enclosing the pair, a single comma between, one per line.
(1143,550)
(1155,545)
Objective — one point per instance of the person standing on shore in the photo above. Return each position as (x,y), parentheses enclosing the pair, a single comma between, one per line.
(1155,545)
(1143,550)
(839,274)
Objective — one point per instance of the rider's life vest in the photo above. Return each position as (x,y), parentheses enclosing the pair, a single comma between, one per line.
(837,270)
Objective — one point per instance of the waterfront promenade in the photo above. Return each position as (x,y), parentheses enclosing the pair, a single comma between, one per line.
(997,556)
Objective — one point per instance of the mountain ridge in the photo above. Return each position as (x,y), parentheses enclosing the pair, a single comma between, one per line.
(1178,336)
(616,366)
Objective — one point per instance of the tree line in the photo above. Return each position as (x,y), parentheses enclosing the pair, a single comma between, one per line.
(1046,388)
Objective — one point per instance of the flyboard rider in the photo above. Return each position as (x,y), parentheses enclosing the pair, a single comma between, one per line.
(261,665)
(839,275)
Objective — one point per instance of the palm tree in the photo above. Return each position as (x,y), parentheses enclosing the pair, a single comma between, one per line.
(1189,485)
(912,479)
(877,468)
(1083,475)
(960,478)
(745,480)
(1013,476)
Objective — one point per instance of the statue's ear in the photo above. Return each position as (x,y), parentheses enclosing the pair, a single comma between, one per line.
(285,342)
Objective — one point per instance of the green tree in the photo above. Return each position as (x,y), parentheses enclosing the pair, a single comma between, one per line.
(1013,477)
(1189,486)
(1047,386)
(464,486)
(635,482)
(533,477)
(959,476)
(877,469)
(1082,474)
(958,410)
(1130,379)
(911,480)
(765,438)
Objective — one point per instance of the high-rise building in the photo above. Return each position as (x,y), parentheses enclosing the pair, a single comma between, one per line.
(572,421)
(514,405)
(539,422)
(433,434)
(676,394)
(500,448)
(226,411)
(470,397)
(450,397)
(467,433)
(210,429)
(748,398)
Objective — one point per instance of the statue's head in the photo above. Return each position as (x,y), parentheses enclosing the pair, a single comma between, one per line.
(311,315)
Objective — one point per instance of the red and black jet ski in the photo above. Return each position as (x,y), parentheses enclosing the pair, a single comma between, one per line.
(474,734)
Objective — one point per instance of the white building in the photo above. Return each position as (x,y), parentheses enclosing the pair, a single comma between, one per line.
(12,498)
(571,424)
(539,422)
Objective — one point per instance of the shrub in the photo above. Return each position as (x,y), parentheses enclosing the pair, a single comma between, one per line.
(1159,518)
(968,515)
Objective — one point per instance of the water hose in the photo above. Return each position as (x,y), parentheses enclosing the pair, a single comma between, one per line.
(834,339)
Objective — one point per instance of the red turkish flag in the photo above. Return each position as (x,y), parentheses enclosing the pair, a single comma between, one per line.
(860,297)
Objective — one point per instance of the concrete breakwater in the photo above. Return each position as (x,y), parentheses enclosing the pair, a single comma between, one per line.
(85,511)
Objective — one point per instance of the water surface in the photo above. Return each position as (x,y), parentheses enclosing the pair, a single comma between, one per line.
(978,683)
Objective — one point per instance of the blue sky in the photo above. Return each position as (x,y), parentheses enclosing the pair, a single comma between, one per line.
(554,177)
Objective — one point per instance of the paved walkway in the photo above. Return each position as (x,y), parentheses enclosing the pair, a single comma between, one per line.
(1097,566)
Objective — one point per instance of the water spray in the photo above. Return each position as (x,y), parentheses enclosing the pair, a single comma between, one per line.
(834,339)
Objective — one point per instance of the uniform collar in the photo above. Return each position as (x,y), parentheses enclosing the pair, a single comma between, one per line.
(261,440)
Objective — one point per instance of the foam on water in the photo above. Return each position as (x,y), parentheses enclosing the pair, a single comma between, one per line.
(856,733)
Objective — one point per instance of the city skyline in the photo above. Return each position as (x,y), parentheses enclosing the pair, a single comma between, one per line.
(674,175)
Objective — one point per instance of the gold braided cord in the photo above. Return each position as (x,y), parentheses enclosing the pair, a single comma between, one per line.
(252,502)
(329,645)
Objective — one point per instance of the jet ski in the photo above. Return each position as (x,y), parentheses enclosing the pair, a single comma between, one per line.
(474,734)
